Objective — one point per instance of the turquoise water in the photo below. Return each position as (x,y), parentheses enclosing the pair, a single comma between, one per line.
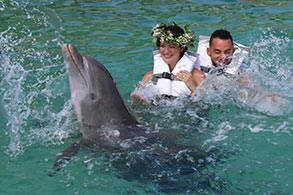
(252,140)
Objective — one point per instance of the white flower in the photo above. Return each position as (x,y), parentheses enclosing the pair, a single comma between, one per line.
(184,40)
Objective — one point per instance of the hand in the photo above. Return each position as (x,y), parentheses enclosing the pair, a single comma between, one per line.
(186,77)
(137,98)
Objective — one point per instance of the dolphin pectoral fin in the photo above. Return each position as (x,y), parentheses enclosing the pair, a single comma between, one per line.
(66,154)
(69,152)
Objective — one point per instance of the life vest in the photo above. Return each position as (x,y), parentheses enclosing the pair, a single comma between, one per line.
(236,66)
(166,81)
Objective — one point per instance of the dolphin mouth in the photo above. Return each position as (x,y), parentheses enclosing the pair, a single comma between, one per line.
(70,50)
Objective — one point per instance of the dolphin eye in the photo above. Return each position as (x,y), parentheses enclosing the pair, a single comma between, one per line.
(93,97)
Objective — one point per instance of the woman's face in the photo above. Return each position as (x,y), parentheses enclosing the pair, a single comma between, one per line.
(170,53)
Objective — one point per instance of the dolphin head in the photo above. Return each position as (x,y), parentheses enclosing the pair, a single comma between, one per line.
(95,96)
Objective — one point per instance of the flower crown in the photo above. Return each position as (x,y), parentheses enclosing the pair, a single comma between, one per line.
(185,40)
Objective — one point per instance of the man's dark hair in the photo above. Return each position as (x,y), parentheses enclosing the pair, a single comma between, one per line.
(221,34)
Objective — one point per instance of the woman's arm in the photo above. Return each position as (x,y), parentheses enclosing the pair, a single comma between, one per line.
(147,78)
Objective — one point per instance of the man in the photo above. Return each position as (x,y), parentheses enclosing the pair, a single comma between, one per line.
(219,54)
(215,51)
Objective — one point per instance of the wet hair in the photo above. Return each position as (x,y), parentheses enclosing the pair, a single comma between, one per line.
(176,31)
(221,34)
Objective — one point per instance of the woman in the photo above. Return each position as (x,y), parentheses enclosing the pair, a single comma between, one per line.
(173,63)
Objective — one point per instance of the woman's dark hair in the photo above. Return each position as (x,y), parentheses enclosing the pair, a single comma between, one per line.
(221,34)
(176,31)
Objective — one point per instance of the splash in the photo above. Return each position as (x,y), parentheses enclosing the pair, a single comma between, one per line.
(32,78)
(270,70)
(270,60)
(145,92)
(265,85)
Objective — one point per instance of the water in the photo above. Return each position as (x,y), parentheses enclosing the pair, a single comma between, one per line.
(251,139)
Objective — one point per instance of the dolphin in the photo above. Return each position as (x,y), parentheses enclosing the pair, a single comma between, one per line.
(105,119)
(107,123)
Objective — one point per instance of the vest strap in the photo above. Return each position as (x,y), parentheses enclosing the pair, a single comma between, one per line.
(165,75)
(220,71)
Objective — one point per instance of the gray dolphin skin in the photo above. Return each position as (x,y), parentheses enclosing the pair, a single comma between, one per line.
(105,119)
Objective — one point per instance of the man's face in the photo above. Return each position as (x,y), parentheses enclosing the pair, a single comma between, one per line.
(220,51)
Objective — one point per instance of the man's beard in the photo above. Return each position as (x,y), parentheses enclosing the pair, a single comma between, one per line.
(221,64)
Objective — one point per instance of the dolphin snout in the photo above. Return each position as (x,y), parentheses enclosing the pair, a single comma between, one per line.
(74,59)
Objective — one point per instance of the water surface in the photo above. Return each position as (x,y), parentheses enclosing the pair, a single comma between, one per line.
(252,140)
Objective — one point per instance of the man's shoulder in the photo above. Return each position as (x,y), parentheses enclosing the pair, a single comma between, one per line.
(197,73)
